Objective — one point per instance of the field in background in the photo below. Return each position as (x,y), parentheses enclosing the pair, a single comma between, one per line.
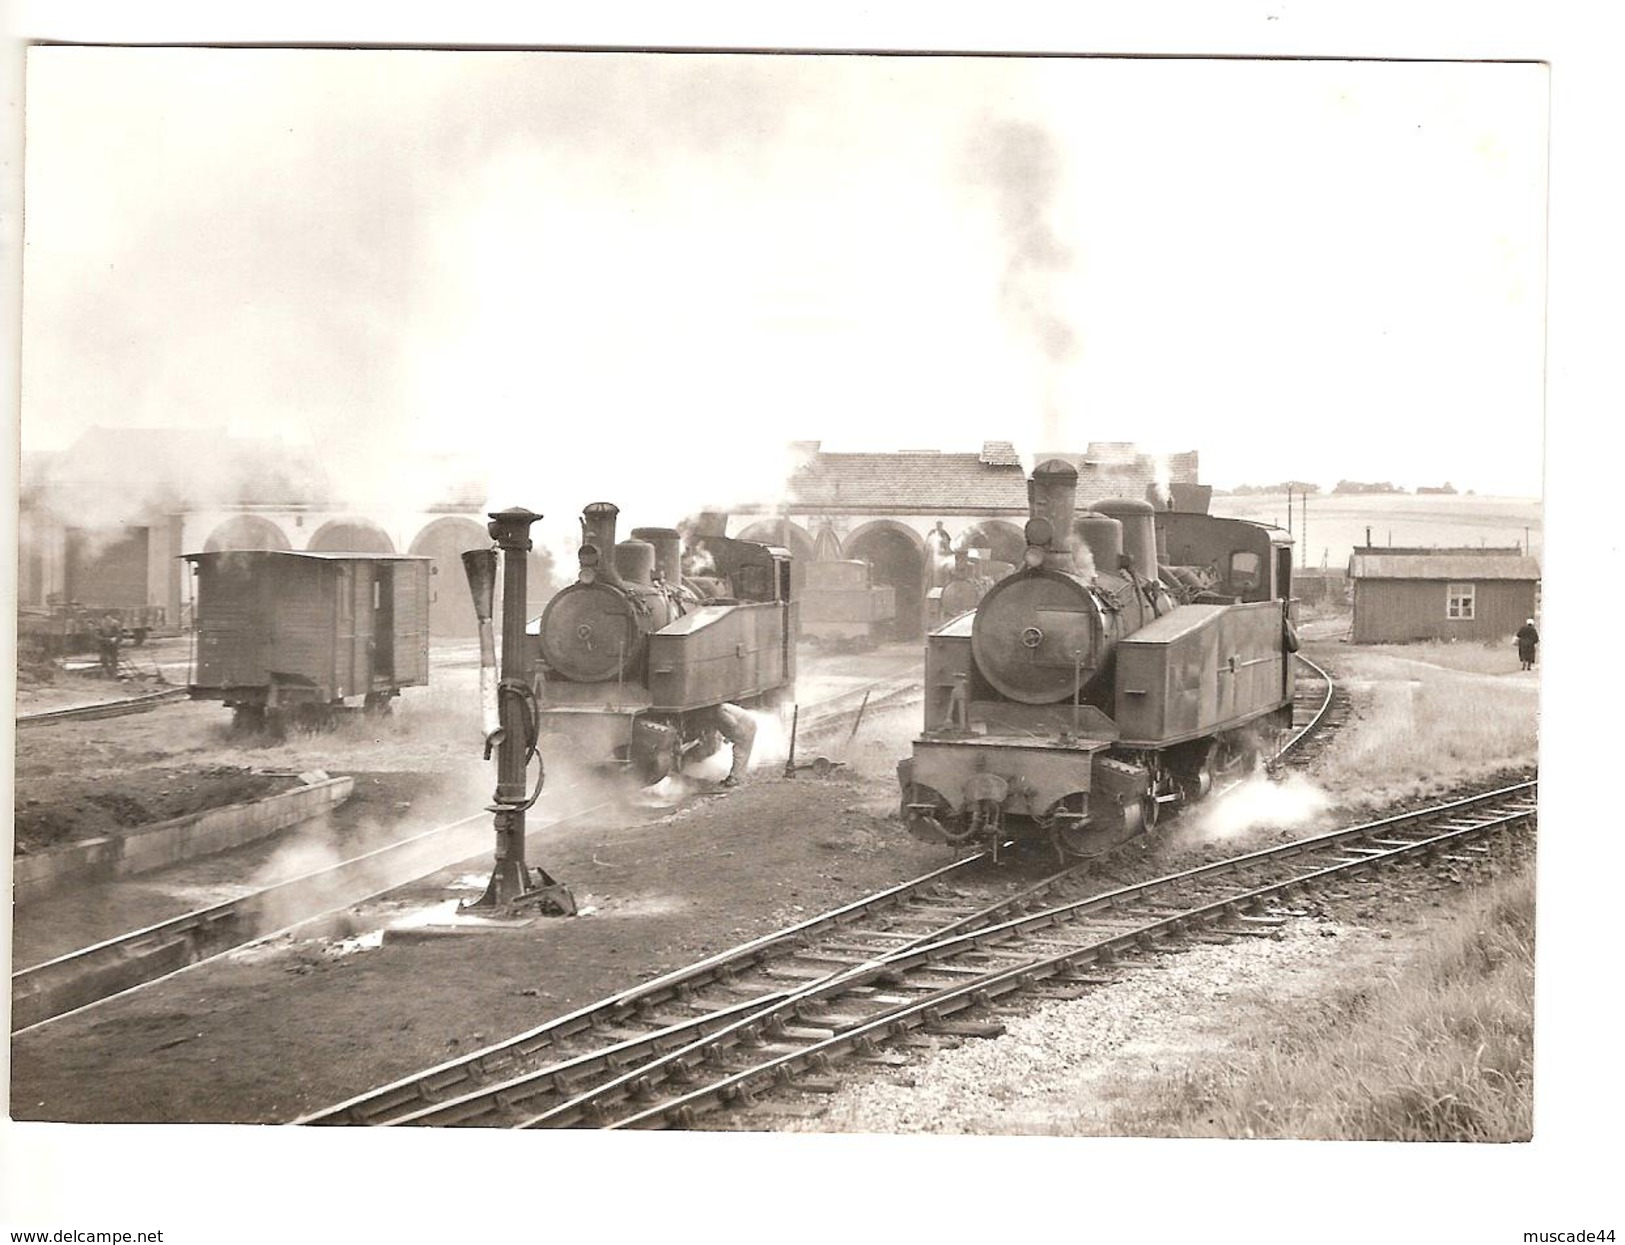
(1338,523)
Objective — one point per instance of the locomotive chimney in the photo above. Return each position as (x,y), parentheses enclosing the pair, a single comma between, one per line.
(598,543)
(1051,498)
(668,551)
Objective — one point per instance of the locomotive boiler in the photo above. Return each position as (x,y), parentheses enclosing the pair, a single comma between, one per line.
(634,660)
(1131,661)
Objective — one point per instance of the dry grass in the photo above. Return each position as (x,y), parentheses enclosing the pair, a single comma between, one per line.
(1441,1050)
(1484,657)
(1423,728)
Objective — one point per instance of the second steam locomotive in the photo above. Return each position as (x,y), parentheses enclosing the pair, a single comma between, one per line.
(645,659)
(1132,661)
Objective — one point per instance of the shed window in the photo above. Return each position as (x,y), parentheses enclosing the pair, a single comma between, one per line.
(1459,601)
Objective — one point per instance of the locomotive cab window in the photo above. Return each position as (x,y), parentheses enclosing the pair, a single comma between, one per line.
(1459,601)
(1245,569)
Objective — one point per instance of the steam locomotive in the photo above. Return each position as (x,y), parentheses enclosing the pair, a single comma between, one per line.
(961,581)
(632,661)
(1131,663)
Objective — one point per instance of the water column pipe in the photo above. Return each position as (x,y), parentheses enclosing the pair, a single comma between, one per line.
(514,740)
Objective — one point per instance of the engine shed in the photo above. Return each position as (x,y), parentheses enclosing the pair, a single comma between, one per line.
(1407,594)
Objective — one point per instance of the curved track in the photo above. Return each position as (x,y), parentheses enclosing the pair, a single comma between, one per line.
(956,984)
(705,1003)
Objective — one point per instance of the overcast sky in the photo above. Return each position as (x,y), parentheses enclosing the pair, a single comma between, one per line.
(1311,269)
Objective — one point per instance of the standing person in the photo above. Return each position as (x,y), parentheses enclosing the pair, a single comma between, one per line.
(108,636)
(1528,642)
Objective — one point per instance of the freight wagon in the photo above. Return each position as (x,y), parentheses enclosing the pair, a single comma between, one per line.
(307,634)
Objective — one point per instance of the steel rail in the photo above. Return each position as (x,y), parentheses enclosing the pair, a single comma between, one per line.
(553,1079)
(638,1080)
(420,1093)
(82,978)
(901,1018)
(370,1107)
(1314,723)
(102,709)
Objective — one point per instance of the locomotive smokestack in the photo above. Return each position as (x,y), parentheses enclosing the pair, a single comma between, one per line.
(480,565)
(1051,498)
(598,542)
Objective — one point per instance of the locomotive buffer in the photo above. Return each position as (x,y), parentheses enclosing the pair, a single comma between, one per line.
(509,715)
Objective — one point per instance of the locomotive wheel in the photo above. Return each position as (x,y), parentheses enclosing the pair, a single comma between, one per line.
(1074,839)
(1149,810)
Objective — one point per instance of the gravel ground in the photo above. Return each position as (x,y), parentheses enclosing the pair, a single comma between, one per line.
(1067,1066)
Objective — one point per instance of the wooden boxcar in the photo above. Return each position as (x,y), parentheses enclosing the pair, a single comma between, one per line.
(840,603)
(278,630)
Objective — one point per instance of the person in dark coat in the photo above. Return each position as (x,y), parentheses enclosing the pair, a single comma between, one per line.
(109,635)
(1528,642)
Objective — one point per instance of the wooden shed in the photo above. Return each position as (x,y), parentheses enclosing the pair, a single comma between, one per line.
(1441,594)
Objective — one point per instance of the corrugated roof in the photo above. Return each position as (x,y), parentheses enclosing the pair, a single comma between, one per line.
(1455,566)
(908,482)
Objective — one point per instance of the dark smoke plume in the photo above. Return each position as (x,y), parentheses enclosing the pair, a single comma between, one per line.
(1019,162)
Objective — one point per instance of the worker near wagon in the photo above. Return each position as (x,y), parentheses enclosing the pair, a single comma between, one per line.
(739,729)
(1528,642)
(109,634)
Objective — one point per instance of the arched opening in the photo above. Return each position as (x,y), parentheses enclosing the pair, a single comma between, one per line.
(350,536)
(246,531)
(896,556)
(451,609)
(786,535)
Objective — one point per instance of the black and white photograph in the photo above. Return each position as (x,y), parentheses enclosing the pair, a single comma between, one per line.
(981,608)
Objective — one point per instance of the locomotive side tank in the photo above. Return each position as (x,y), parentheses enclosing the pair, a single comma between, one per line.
(1096,685)
(632,661)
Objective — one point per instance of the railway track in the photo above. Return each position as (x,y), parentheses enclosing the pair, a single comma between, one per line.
(1321,708)
(103,709)
(956,984)
(43,992)
(735,991)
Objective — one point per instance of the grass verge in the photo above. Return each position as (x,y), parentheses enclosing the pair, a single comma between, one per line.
(1441,1049)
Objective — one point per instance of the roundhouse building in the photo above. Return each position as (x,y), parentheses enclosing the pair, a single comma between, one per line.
(1403,594)
(901,512)
(104,523)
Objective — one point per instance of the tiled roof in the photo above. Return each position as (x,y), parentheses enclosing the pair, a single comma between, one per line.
(908,483)
(1453,565)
